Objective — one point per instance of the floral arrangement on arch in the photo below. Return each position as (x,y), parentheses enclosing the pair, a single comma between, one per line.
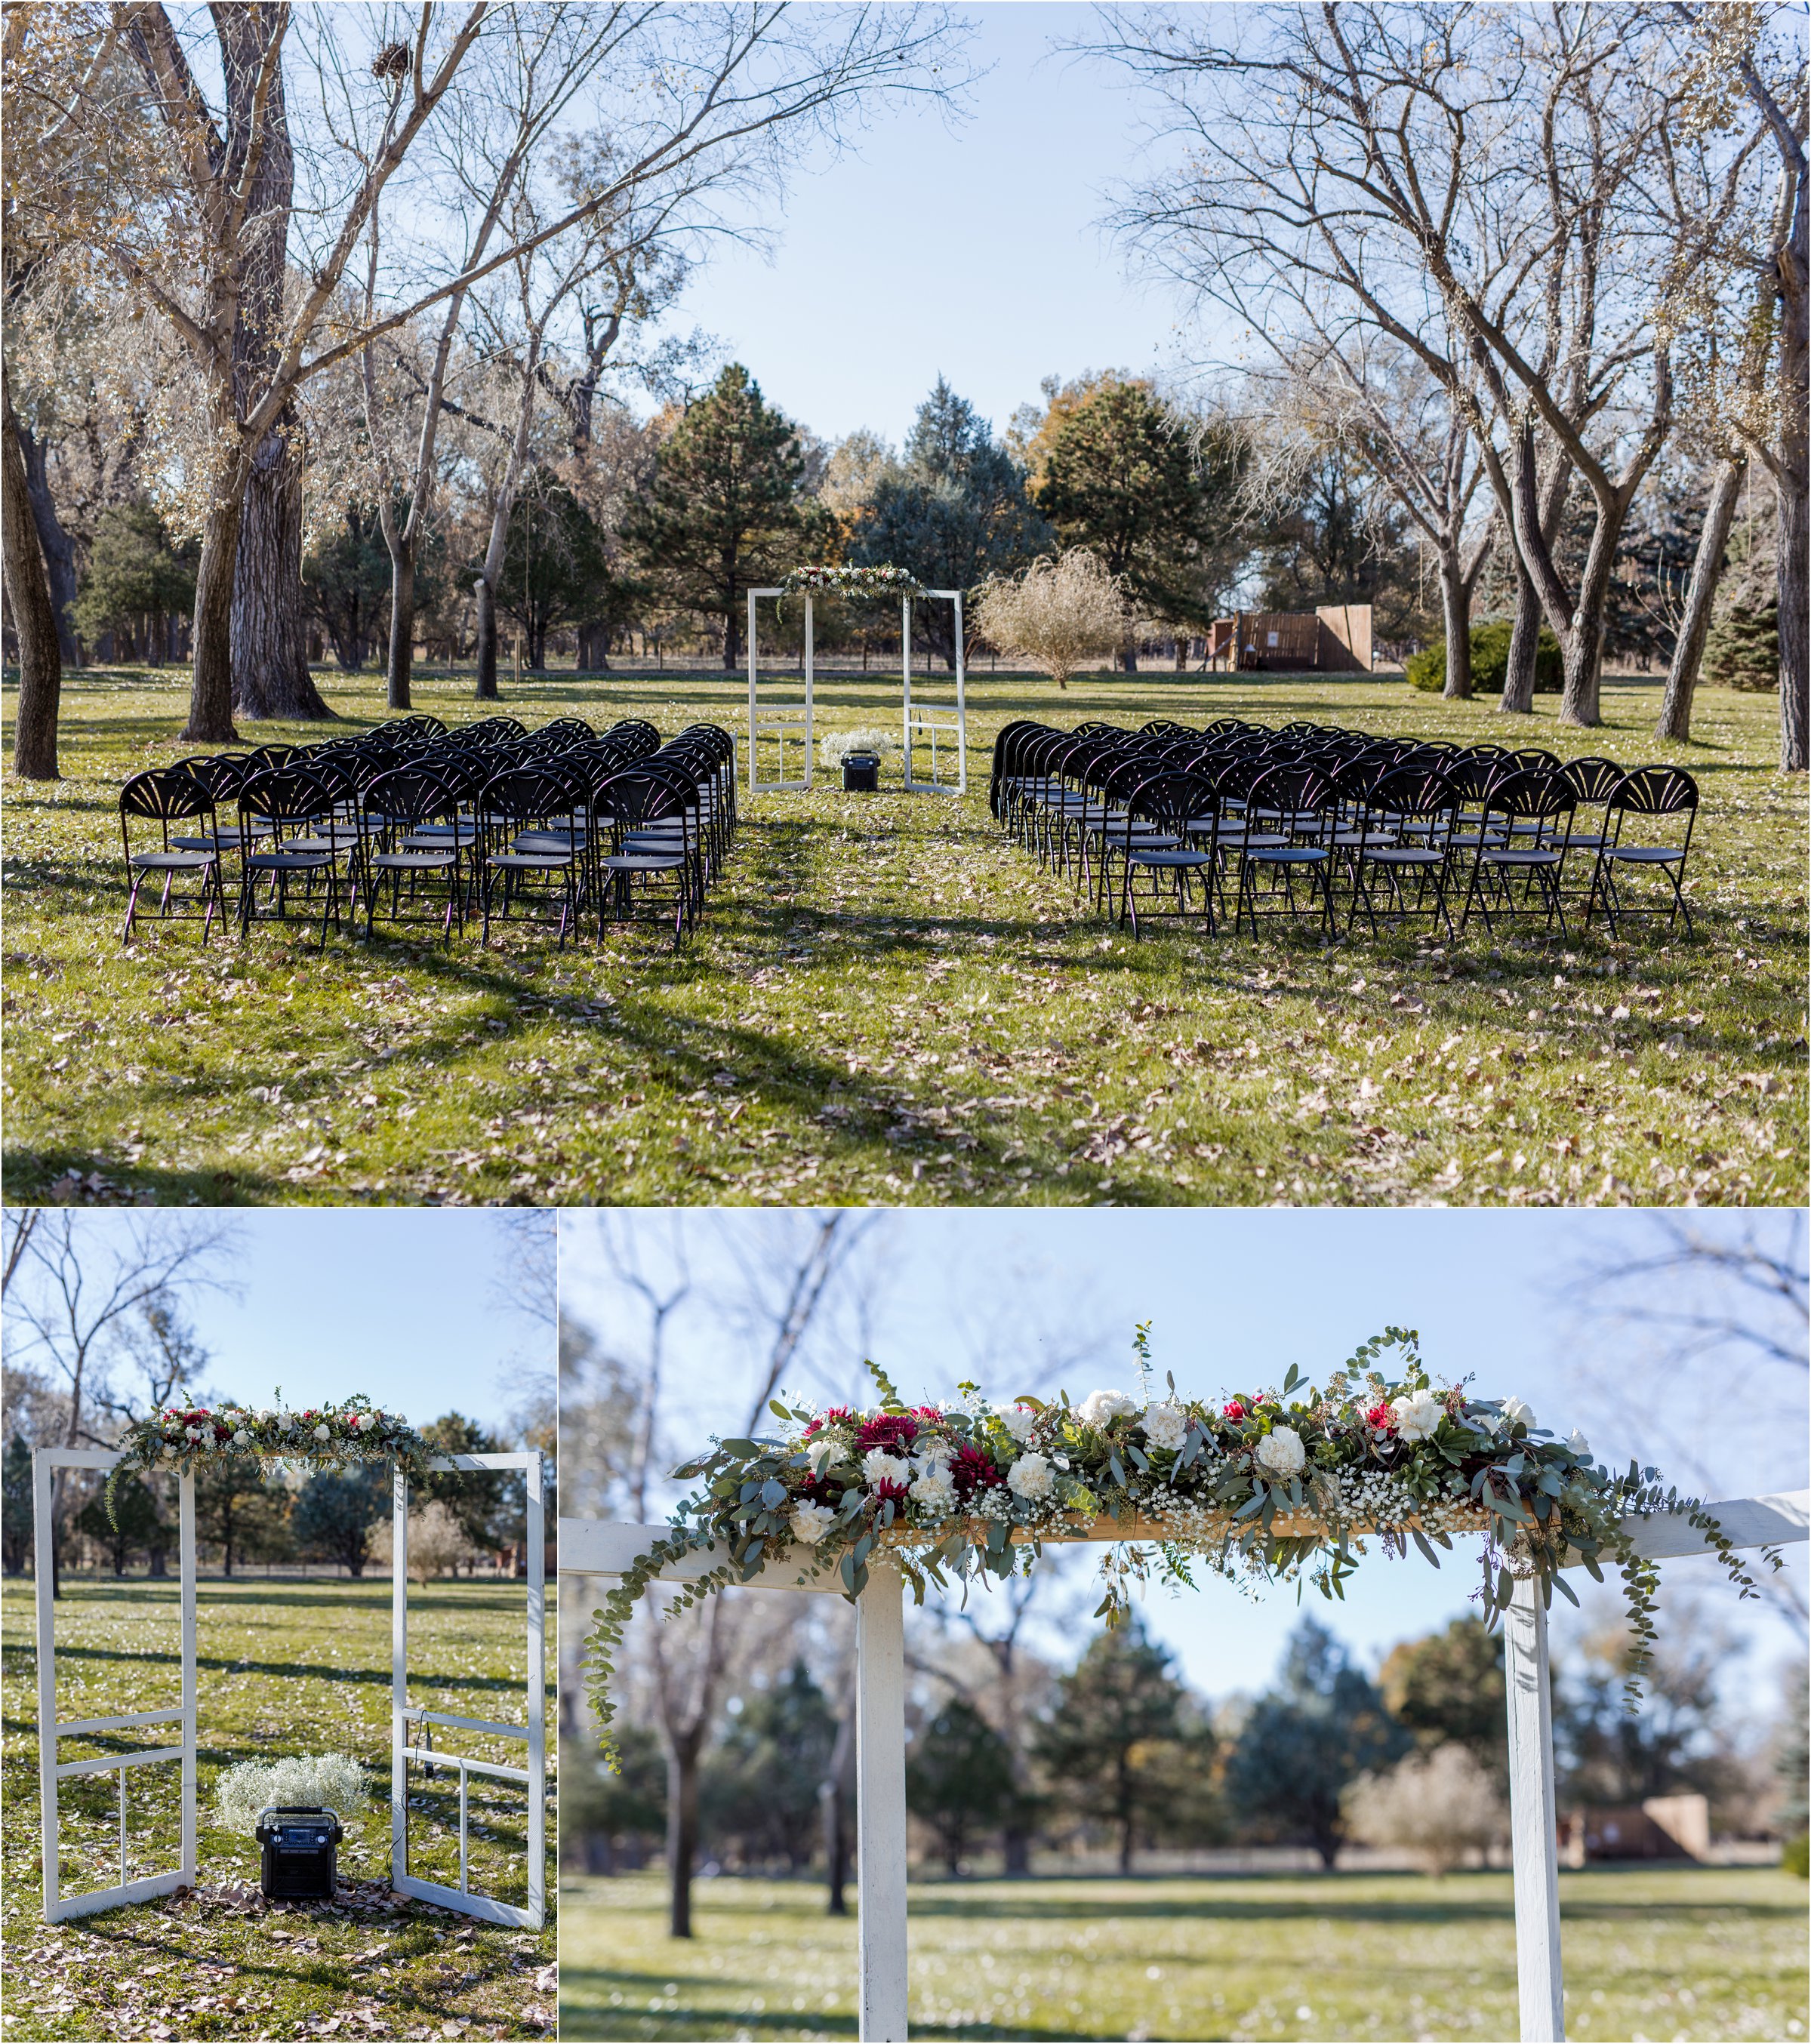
(1264,1486)
(180,1438)
(851,581)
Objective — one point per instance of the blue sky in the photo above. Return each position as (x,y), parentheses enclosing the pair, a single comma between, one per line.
(1237,1297)
(964,247)
(399,1304)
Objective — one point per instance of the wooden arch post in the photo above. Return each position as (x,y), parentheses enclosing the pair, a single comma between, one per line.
(596,1547)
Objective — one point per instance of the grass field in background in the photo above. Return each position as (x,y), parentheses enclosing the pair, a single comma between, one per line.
(1679,1953)
(887,1004)
(287,1666)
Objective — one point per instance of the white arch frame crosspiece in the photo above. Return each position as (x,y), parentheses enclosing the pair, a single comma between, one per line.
(922,722)
(58,1907)
(597,1547)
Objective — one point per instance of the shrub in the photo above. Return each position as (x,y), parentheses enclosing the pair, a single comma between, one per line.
(437,1542)
(1742,651)
(1426,670)
(1438,1807)
(1058,613)
(335,1779)
(1795,1856)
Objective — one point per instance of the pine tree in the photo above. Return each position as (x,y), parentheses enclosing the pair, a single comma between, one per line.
(1123,476)
(959,1778)
(1124,1745)
(725,512)
(1449,1687)
(1742,651)
(556,567)
(136,581)
(16,1505)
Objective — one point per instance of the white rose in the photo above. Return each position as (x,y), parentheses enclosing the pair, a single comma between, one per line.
(324,1432)
(286,1421)
(1099,1407)
(365,1422)
(169,1452)
(1577,1443)
(935,1493)
(1031,1476)
(1165,1426)
(1281,1452)
(932,1460)
(1018,1421)
(879,1467)
(193,1433)
(241,1437)
(1517,1413)
(1417,1414)
(823,1449)
(809,1523)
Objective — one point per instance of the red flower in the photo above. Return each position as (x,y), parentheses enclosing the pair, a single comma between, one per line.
(821,1490)
(1234,1410)
(974,1470)
(896,1492)
(834,1417)
(1382,1418)
(931,1415)
(890,1430)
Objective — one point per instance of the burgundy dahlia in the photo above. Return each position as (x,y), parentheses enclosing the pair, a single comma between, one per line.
(835,1417)
(896,1492)
(891,1430)
(974,1470)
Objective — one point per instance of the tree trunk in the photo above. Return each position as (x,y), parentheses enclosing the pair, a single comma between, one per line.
(210,690)
(1125,1831)
(1706,572)
(27,588)
(58,552)
(1182,654)
(681,1830)
(1524,647)
(487,688)
(398,672)
(1129,659)
(270,639)
(1455,609)
(731,638)
(833,1809)
(1794,538)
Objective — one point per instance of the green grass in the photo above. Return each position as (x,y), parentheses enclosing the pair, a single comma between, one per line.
(1691,1952)
(887,1004)
(284,1666)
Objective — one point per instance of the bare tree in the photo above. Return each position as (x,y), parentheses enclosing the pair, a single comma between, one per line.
(81,1282)
(1530,183)
(1710,1311)
(1062,611)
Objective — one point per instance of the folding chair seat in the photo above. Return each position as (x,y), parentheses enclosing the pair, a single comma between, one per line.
(164,796)
(1523,835)
(1645,791)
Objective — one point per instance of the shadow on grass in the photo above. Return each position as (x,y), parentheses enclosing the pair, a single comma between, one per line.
(585,2013)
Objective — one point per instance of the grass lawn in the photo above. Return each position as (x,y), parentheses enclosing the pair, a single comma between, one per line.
(888,1003)
(284,1666)
(1696,1953)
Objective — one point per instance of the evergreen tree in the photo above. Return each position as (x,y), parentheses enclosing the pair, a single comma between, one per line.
(725,512)
(16,1505)
(1302,1744)
(238,1510)
(1742,651)
(137,582)
(959,1778)
(760,1785)
(1449,1687)
(1123,478)
(600,1811)
(490,1504)
(1124,1745)
(954,512)
(335,1512)
(556,566)
(135,1522)
(345,584)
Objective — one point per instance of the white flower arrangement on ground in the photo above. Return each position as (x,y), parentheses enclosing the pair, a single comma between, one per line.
(334,1779)
(835,746)
(1269,1484)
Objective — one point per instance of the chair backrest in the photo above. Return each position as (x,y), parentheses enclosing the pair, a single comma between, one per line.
(1173,801)
(1292,789)
(1530,795)
(164,794)
(1655,791)
(1418,792)
(283,795)
(409,794)
(530,794)
(1531,759)
(1593,780)
(220,773)
(1473,776)
(639,796)
(266,756)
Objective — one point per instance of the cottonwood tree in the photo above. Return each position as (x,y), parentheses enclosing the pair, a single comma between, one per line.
(1531,184)
(1059,613)
(183,232)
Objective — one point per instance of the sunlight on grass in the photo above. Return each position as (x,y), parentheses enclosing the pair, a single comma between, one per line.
(888,1003)
(1691,1952)
(284,1665)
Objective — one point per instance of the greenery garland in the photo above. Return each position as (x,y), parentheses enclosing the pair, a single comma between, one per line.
(180,1439)
(1268,1485)
(851,581)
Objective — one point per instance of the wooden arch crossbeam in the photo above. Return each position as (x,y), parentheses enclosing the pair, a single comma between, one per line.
(599,1547)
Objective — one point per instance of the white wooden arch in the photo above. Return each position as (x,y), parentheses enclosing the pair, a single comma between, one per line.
(58,1907)
(597,1547)
(790,719)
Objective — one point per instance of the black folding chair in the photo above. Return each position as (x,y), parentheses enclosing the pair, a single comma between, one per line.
(1291,804)
(284,804)
(648,847)
(1410,817)
(1538,807)
(164,796)
(396,811)
(1158,839)
(530,835)
(1645,791)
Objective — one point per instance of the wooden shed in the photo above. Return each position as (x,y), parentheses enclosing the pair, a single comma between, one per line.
(1335,639)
